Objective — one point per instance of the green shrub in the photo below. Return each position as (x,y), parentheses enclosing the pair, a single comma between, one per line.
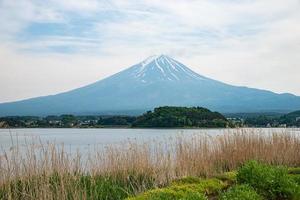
(170,194)
(208,186)
(295,170)
(269,181)
(296,178)
(229,177)
(184,191)
(187,180)
(240,192)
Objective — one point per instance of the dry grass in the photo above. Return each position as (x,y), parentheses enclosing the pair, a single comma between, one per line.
(48,172)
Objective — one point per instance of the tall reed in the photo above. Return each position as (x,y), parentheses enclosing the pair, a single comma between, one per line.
(47,171)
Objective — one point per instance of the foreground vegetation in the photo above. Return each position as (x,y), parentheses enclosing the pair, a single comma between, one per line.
(195,168)
(252,181)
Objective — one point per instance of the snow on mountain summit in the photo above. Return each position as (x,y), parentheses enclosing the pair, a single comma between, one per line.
(163,68)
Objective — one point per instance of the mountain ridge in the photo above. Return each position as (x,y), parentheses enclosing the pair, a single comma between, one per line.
(156,81)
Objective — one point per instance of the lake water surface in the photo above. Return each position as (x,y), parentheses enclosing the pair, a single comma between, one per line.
(83,139)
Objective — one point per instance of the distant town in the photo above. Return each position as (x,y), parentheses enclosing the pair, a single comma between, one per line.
(65,121)
(106,121)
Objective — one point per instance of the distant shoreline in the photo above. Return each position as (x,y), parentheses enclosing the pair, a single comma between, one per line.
(149,128)
(166,117)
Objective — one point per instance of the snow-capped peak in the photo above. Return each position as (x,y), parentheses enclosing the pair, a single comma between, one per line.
(162,67)
(149,60)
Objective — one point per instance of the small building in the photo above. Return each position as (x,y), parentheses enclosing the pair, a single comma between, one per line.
(3,124)
(55,122)
(282,125)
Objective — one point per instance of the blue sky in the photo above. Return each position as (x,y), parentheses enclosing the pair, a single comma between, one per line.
(56,45)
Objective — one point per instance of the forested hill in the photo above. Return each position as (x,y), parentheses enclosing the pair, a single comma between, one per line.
(291,119)
(181,117)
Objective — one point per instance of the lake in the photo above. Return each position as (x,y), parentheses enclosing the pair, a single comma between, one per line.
(84,139)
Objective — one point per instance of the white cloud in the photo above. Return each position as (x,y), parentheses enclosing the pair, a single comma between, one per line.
(252,43)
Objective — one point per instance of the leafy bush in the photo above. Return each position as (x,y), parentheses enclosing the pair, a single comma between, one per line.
(208,186)
(241,192)
(269,181)
(182,191)
(229,177)
(187,180)
(296,178)
(170,194)
(295,170)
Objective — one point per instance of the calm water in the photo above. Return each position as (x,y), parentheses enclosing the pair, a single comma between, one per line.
(83,139)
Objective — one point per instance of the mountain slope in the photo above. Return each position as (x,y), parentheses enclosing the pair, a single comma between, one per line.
(157,81)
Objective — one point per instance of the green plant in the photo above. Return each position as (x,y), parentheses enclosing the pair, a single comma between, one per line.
(270,181)
(229,177)
(296,178)
(120,171)
(184,191)
(76,186)
(294,170)
(103,188)
(170,194)
(188,192)
(240,192)
(187,180)
(208,186)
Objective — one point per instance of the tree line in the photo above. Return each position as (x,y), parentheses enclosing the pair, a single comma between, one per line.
(160,117)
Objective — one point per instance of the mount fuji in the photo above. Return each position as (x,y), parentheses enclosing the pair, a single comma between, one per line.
(156,81)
